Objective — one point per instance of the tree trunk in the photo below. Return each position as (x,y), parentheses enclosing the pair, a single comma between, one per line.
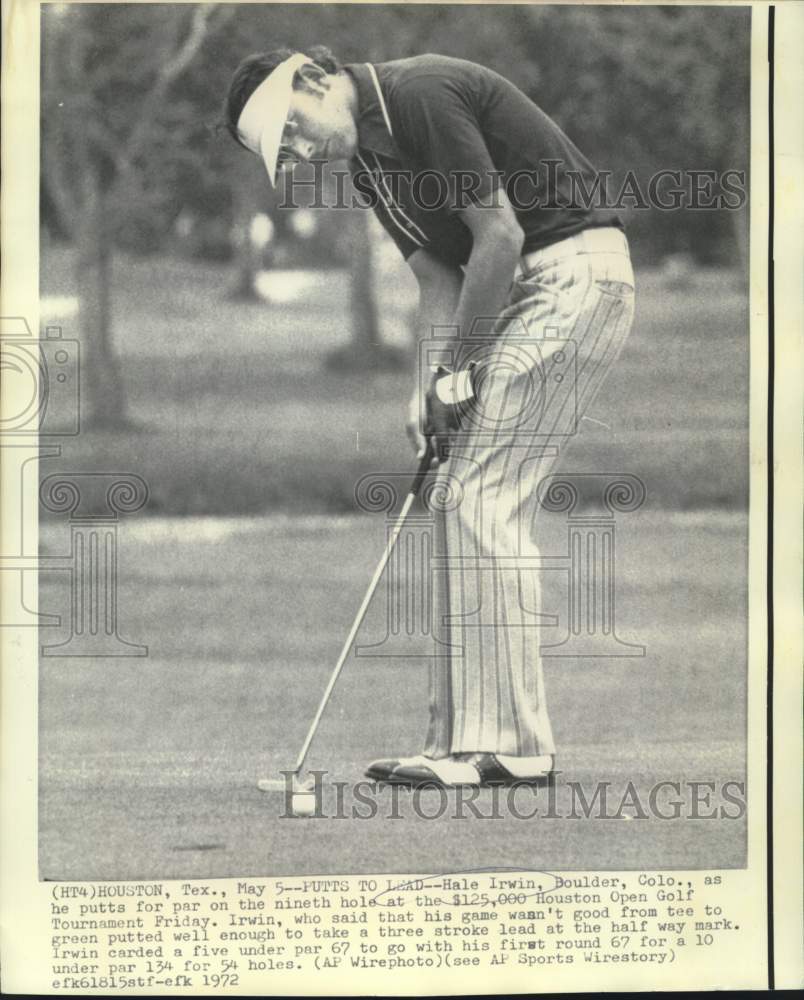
(363,305)
(247,258)
(100,372)
(366,350)
(243,288)
(740,224)
(739,159)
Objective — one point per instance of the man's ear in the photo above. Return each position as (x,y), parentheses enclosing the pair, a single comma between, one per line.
(314,79)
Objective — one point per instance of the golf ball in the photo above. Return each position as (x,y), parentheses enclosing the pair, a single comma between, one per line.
(303,803)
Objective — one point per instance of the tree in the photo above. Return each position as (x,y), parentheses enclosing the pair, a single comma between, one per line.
(246,203)
(108,130)
(366,351)
(127,91)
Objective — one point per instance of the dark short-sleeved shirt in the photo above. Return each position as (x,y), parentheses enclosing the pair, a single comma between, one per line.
(459,132)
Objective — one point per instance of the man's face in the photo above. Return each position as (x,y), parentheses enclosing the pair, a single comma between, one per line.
(319,126)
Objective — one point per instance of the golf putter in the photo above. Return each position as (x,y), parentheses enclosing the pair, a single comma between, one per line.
(269,784)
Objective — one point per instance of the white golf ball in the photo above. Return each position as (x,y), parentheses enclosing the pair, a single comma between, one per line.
(303,803)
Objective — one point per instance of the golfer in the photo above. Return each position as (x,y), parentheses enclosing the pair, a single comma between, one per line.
(528,284)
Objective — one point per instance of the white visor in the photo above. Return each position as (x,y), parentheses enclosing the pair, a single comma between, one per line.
(262,120)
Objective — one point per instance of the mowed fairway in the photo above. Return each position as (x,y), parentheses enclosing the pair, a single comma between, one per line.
(148,766)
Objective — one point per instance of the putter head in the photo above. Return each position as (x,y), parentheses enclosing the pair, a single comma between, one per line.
(271,785)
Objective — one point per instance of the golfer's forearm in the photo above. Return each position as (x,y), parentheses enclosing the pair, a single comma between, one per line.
(438,299)
(435,317)
(437,308)
(487,279)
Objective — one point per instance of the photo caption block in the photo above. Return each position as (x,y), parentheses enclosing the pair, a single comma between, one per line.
(261,935)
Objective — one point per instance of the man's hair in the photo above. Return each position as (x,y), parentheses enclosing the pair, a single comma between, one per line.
(255,68)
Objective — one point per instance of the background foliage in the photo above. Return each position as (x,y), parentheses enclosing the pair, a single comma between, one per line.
(146,207)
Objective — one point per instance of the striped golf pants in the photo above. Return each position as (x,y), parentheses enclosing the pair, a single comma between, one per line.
(565,322)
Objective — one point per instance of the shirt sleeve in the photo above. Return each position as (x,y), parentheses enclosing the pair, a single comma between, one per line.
(438,127)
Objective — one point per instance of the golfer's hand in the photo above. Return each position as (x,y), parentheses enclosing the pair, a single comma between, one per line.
(417,435)
(440,422)
(413,427)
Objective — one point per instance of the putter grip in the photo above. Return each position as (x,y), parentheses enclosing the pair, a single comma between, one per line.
(423,469)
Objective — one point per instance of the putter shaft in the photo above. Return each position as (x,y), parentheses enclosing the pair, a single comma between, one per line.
(421,473)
